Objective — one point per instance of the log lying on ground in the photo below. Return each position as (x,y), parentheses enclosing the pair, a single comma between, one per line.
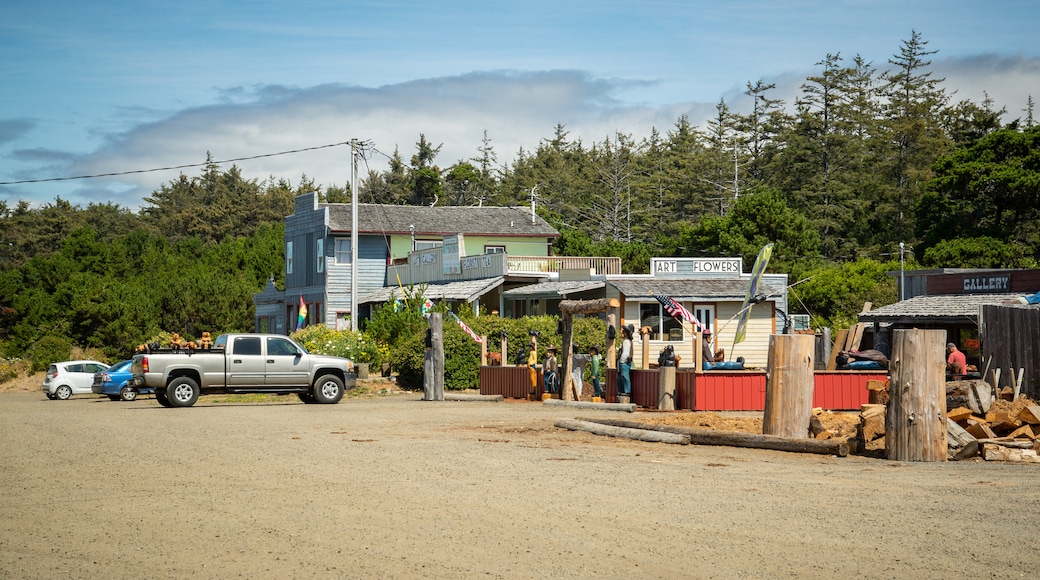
(483,398)
(627,407)
(627,433)
(734,439)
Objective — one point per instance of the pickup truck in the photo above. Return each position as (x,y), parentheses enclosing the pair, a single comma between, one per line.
(243,363)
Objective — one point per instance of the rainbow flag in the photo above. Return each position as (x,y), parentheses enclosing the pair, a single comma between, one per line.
(301,319)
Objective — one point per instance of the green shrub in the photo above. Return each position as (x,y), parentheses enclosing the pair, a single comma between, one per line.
(49,350)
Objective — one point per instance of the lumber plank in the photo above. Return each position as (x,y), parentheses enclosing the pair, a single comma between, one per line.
(839,345)
(625,407)
(959,413)
(1030,415)
(961,444)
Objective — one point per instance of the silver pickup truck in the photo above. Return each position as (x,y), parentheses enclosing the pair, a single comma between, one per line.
(243,363)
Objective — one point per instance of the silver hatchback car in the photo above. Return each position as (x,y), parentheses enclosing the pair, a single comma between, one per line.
(69,378)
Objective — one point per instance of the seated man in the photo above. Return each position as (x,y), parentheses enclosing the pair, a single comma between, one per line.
(715,361)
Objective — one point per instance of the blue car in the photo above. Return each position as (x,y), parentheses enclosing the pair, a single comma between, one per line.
(117,382)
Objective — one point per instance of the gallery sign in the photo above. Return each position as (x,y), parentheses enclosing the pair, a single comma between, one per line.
(995,284)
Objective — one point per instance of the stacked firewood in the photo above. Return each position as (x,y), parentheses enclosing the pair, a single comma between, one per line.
(978,423)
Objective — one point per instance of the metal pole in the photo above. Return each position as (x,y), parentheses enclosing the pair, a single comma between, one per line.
(353,235)
(902,275)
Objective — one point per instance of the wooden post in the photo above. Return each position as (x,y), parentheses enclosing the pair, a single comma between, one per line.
(433,369)
(568,308)
(504,341)
(823,349)
(698,353)
(666,388)
(567,392)
(483,351)
(915,425)
(644,332)
(608,347)
(789,385)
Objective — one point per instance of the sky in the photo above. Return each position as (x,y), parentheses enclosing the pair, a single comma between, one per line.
(89,88)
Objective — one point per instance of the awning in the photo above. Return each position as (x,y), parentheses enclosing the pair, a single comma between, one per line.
(942,309)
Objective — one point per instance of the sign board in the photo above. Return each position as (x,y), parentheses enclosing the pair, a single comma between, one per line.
(688,266)
(994,284)
(452,250)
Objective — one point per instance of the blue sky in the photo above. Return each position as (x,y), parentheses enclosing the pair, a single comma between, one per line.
(114,86)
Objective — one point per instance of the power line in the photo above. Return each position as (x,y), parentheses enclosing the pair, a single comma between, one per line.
(116,173)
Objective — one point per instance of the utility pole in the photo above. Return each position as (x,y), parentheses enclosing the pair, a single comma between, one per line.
(353,235)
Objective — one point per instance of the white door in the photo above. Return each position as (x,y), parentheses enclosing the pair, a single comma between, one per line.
(706,314)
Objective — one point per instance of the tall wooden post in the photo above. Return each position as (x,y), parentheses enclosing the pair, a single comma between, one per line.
(483,351)
(506,361)
(789,385)
(433,359)
(915,425)
(698,353)
(568,308)
(644,333)
(608,347)
(666,388)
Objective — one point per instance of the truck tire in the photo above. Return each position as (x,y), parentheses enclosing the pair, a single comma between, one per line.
(160,396)
(328,389)
(182,392)
(128,393)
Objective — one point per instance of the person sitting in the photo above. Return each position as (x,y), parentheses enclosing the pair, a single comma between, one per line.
(716,361)
(956,362)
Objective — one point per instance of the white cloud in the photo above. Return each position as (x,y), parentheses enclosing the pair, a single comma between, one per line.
(518,109)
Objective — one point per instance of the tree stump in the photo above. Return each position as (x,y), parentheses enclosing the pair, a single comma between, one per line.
(789,385)
(915,426)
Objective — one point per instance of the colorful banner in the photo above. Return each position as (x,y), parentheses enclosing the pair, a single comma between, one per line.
(756,277)
(465,328)
(301,319)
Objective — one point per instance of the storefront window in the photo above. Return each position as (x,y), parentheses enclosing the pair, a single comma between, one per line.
(664,327)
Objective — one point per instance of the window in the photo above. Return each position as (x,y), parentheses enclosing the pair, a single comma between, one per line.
(342,251)
(427,244)
(321,255)
(288,257)
(494,249)
(247,345)
(663,326)
(280,347)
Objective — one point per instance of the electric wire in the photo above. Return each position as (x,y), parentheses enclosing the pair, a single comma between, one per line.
(155,169)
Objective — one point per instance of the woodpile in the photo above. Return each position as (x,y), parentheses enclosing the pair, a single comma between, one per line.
(977,424)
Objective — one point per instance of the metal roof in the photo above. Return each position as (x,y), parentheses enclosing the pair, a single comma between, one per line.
(467,290)
(552,289)
(440,220)
(687,289)
(947,308)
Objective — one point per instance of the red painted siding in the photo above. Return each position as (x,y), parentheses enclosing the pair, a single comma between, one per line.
(730,391)
(842,390)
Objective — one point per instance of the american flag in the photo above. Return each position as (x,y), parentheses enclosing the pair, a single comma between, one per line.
(678,311)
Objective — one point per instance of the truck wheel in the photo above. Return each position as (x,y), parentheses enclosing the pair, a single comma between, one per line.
(63,392)
(328,389)
(160,396)
(128,393)
(182,392)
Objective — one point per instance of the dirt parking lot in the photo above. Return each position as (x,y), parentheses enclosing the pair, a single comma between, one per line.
(395,487)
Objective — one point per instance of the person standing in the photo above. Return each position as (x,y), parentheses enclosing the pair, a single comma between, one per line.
(551,380)
(596,360)
(625,362)
(956,363)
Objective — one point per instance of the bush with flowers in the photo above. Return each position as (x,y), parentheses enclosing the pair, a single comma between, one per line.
(321,339)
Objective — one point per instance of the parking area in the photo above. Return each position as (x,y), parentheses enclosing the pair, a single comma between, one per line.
(392,486)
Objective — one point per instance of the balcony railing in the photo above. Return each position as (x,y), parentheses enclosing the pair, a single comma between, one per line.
(540,264)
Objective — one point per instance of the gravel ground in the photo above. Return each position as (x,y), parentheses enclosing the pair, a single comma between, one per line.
(392,486)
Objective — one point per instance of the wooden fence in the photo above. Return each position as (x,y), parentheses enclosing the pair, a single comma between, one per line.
(1010,339)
